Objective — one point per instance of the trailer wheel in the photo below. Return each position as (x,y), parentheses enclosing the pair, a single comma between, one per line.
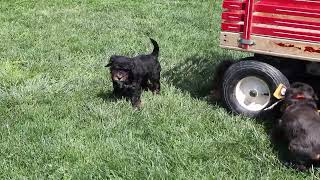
(248,86)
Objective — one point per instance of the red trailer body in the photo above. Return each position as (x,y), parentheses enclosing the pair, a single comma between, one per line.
(286,28)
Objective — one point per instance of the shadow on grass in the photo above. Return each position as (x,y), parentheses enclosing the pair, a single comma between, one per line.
(195,74)
(107,96)
(279,146)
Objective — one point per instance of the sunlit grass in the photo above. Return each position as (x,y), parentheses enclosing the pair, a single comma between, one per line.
(56,117)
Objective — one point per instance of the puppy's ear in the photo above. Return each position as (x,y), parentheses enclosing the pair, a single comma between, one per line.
(108,65)
(312,93)
(132,66)
(110,61)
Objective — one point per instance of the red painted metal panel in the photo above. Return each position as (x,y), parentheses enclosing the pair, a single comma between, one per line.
(232,27)
(300,3)
(304,24)
(272,31)
(281,8)
(287,22)
(233,5)
(277,26)
(232,16)
(287,34)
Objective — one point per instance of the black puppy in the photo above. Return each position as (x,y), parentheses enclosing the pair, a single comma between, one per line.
(300,125)
(131,75)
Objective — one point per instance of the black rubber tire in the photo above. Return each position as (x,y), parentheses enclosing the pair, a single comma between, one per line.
(236,72)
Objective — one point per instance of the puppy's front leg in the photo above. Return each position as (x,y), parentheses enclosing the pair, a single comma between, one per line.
(136,95)
(116,90)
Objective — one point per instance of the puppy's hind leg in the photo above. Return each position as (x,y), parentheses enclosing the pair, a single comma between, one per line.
(155,86)
(145,85)
(155,83)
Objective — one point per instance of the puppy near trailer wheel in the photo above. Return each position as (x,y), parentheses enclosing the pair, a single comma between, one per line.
(248,86)
(291,33)
(299,125)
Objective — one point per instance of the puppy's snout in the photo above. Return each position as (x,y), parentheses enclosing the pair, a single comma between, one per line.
(119,76)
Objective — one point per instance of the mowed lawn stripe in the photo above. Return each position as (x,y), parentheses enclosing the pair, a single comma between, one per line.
(59,120)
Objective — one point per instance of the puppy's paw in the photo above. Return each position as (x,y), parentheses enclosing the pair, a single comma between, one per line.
(138,105)
(118,95)
(300,167)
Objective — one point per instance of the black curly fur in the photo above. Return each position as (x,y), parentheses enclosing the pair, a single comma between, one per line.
(300,124)
(143,74)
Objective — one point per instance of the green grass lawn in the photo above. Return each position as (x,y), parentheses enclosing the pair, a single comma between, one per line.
(56,117)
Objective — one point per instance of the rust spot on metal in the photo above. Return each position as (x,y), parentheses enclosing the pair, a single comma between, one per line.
(287,45)
(311,49)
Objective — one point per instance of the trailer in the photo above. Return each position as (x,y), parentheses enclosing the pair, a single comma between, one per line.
(279,33)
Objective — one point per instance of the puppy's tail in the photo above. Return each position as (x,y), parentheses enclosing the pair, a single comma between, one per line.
(155,51)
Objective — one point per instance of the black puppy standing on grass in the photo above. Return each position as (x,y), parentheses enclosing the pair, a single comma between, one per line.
(300,125)
(132,75)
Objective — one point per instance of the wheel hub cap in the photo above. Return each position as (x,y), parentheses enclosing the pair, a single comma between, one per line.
(252,93)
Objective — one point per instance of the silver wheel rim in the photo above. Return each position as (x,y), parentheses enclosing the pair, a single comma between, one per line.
(252,93)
